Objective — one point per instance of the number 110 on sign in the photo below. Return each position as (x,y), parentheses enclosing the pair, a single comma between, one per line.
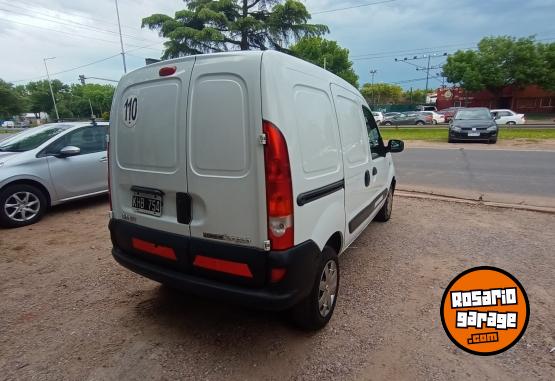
(130,111)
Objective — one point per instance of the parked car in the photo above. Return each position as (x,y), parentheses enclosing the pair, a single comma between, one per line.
(378,116)
(436,117)
(49,165)
(426,108)
(243,176)
(411,118)
(473,123)
(448,113)
(8,123)
(390,114)
(505,116)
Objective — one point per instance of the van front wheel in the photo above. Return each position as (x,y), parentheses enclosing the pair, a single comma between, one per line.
(385,212)
(315,311)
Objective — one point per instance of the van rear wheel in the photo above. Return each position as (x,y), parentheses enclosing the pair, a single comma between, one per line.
(316,310)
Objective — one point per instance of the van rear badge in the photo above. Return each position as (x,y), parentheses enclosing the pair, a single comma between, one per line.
(225,237)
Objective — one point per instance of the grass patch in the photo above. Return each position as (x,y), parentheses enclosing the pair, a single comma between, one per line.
(433,134)
(440,134)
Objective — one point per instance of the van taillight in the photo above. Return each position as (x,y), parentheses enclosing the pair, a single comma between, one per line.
(279,190)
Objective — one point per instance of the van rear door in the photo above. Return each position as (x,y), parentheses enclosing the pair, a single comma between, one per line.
(225,158)
(149,141)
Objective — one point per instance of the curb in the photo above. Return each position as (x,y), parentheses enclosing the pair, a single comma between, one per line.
(470,201)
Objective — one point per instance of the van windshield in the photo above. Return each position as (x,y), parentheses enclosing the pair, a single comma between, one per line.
(32,138)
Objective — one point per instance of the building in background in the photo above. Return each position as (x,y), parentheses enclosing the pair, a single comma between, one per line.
(531,99)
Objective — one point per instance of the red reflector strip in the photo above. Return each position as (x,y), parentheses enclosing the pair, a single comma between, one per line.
(277,274)
(221,265)
(148,247)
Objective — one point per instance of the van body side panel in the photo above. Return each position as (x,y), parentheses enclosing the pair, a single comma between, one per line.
(225,159)
(149,150)
(296,97)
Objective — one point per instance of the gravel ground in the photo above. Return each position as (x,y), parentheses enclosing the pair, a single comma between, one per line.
(69,312)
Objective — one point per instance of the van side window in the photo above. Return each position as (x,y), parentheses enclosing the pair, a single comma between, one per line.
(377,147)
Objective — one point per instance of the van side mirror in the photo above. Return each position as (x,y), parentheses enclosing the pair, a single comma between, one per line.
(69,151)
(395,145)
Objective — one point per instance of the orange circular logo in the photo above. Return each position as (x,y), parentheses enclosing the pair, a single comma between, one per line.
(485,310)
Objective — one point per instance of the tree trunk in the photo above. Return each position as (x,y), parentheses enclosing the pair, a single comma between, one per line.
(244,33)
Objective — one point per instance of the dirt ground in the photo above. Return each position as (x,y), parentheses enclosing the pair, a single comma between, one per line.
(512,144)
(68,311)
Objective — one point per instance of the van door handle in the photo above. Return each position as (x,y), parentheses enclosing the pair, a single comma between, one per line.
(184,208)
(103,159)
(374,171)
(367,178)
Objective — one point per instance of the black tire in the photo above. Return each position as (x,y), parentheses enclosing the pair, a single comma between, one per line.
(492,141)
(385,212)
(36,205)
(449,140)
(387,123)
(434,122)
(420,123)
(511,123)
(306,314)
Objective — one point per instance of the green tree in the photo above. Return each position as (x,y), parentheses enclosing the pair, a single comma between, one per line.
(221,25)
(382,93)
(547,52)
(40,99)
(502,61)
(100,97)
(318,51)
(11,102)
(414,96)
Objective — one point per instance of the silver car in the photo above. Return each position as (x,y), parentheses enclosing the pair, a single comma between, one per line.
(49,165)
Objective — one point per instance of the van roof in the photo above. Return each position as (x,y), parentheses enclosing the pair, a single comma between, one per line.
(268,54)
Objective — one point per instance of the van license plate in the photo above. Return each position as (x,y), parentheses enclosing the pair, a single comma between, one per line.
(473,134)
(147,203)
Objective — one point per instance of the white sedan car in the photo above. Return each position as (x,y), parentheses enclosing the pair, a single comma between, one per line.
(505,116)
(436,117)
(48,165)
(378,116)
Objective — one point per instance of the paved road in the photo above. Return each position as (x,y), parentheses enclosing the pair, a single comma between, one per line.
(526,177)
(445,125)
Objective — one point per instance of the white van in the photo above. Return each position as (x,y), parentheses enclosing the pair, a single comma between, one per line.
(242,176)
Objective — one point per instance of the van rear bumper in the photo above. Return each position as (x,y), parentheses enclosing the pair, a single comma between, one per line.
(300,263)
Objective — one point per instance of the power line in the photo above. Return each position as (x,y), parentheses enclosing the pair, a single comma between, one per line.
(352,7)
(81,66)
(408,51)
(98,20)
(70,23)
(60,31)
(385,54)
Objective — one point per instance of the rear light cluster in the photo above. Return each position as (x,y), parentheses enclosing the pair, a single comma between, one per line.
(279,189)
(167,70)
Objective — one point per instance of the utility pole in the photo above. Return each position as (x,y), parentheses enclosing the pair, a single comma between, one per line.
(428,67)
(50,85)
(121,40)
(428,74)
(325,63)
(90,105)
(372,73)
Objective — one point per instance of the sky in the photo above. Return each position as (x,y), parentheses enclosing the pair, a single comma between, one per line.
(84,33)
